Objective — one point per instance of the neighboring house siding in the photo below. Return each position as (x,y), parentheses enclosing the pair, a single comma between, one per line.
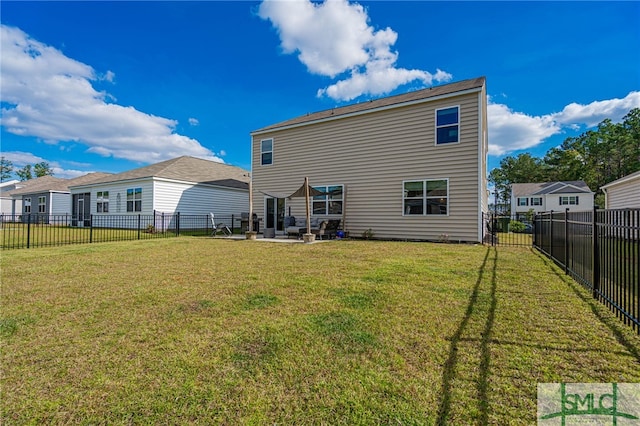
(9,207)
(199,199)
(372,154)
(552,202)
(34,201)
(60,203)
(119,205)
(624,195)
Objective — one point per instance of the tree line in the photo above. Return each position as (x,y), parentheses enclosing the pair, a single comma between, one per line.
(25,173)
(598,156)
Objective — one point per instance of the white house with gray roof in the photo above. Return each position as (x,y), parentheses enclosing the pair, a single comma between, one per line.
(547,196)
(9,207)
(188,185)
(47,199)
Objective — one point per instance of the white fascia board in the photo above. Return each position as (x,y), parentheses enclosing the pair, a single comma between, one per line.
(625,179)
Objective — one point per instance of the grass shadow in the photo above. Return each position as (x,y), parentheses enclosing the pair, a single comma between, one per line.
(450,365)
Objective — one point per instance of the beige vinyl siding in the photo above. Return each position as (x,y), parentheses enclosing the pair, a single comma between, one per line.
(624,195)
(372,154)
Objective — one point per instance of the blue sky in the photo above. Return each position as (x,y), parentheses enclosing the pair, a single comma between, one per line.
(111,86)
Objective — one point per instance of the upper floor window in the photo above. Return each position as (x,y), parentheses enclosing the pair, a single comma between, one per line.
(102,204)
(27,205)
(426,197)
(448,125)
(330,202)
(536,201)
(523,201)
(266,152)
(571,200)
(42,204)
(134,199)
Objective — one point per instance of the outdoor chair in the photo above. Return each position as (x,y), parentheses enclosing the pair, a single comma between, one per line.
(220,227)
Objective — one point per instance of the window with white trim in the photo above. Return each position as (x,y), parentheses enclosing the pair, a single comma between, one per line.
(330,202)
(523,201)
(42,204)
(448,125)
(570,200)
(536,201)
(102,202)
(425,197)
(134,199)
(266,152)
(27,205)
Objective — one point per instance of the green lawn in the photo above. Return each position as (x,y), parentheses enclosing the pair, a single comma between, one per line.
(215,331)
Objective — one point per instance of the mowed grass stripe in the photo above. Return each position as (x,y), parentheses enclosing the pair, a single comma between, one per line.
(350,332)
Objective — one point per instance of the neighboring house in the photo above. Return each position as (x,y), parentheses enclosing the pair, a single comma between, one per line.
(9,207)
(188,185)
(623,193)
(411,166)
(547,196)
(47,198)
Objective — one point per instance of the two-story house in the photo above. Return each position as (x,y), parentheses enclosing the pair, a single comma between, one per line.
(547,196)
(410,166)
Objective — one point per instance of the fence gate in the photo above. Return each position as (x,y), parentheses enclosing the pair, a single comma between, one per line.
(506,230)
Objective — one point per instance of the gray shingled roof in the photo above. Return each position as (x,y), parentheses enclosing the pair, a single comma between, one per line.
(186,169)
(417,95)
(563,187)
(52,183)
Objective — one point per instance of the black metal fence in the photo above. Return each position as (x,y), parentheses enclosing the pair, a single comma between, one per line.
(506,230)
(39,230)
(601,250)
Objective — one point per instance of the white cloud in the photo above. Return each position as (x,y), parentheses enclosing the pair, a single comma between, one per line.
(109,76)
(335,37)
(593,113)
(50,96)
(193,122)
(20,159)
(512,131)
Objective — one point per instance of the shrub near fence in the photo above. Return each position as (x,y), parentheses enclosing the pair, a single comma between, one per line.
(601,250)
(506,230)
(30,231)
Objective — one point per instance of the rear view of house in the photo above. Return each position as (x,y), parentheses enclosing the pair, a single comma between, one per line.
(411,166)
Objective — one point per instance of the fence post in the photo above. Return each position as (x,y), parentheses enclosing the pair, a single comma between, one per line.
(28,230)
(139,222)
(551,234)
(232,223)
(596,254)
(566,241)
(91,228)
(177,224)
